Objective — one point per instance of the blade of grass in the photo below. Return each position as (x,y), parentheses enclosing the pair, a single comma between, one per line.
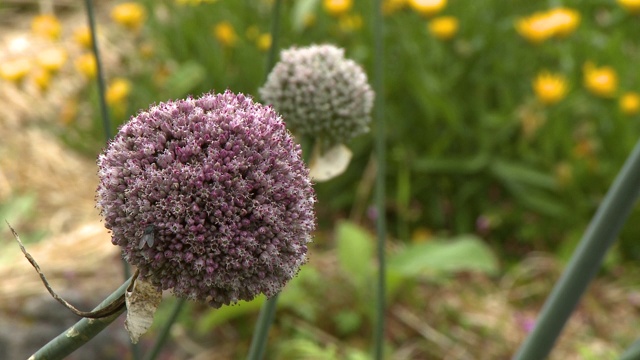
(380,151)
(267,312)
(586,260)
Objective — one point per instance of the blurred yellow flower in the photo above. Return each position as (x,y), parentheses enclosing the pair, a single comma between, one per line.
(444,27)
(129,14)
(349,23)
(86,65)
(632,6)
(52,59)
(15,70)
(263,42)
(337,7)
(543,25)
(629,103)
(41,77)
(564,21)
(117,91)
(602,81)
(82,36)
(47,26)
(549,88)
(428,7)
(225,34)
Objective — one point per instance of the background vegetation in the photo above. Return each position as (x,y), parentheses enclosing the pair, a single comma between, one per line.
(505,128)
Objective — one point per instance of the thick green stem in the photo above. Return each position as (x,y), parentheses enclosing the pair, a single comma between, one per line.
(586,260)
(632,353)
(268,310)
(80,333)
(380,197)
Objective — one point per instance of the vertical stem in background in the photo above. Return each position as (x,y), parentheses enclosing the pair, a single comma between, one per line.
(381,228)
(586,260)
(268,309)
(106,121)
(164,333)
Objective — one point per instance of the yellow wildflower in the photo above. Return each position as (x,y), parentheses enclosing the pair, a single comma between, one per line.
(337,7)
(444,27)
(225,34)
(632,6)
(52,59)
(130,15)
(630,103)
(264,42)
(535,28)
(564,21)
(428,7)
(543,25)
(86,65)
(15,70)
(117,91)
(41,77)
(47,26)
(549,88)
(82,36)
(602,81)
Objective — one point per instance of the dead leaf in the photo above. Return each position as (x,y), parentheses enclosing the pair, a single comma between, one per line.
(330,164)
(142,303)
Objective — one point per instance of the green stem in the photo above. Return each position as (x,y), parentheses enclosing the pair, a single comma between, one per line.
(80,333)
(106,120)
(162,338)
(586,260)
(261,332)
(632,353)
(268,310)
(104,111)
(380,196)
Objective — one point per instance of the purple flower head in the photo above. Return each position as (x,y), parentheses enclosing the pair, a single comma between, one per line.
(320,93)
(208,197)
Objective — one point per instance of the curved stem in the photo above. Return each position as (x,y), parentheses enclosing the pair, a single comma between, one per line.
(585,261)
(80,333)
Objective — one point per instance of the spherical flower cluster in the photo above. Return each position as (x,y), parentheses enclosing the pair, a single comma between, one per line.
(320,93)
(208,197)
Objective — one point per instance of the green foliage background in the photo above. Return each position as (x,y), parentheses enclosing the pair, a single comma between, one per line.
(460,159)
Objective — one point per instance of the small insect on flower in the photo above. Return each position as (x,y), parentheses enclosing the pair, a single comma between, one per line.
(147,236)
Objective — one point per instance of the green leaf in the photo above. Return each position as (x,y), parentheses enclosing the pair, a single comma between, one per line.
(228,312)
(464,253)
(355,250)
